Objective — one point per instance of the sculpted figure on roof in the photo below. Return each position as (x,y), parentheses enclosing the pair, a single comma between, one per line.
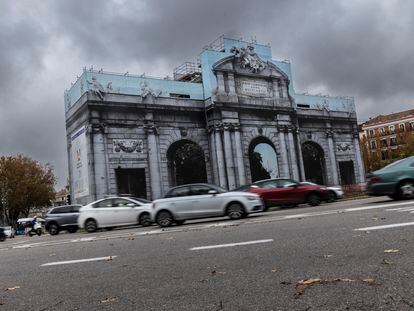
(249,58)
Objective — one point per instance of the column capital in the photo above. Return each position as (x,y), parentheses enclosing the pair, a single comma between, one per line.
(150,129)
(218,127)
(355,134)
(282,128)
(227,126)
(329,133)
(97,128)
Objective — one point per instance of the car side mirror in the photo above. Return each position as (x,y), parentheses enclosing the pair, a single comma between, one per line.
(213,192)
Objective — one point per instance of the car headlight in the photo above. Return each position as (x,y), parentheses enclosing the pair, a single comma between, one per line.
(252,198)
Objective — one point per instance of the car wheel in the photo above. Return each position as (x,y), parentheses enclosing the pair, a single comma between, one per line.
(39,232)
(145,220)
(90,226)
(53,229)
(331,196)
(314,199)
(180,222)
(164,219)
(406,190)
(72,229)
(235,211)
(2,238)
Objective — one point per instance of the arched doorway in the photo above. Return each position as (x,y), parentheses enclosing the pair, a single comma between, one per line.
(263,159)
(186,163)
(314,162)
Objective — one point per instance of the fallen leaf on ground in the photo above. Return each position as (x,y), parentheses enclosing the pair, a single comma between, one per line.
(13,288)
(391,251)
(369,281)
(131,239)
(386,262)
(327,256)
(309,281)
(343,280)
(110,299)
(285,282)
(53,254)
(109,258)
(375,219)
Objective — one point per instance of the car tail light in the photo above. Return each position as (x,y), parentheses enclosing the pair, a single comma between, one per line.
(375,179)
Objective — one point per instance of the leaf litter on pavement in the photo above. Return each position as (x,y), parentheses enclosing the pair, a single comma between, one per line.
(12,288)
(110,299)
(390,251)
(302,285)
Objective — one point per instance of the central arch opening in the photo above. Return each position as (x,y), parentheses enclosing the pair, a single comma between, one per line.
(263,159)
(186,163)
(314,162)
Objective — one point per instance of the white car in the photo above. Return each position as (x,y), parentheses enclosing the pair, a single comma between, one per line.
(113,212)
(335,193)
(9,232)
(203,200)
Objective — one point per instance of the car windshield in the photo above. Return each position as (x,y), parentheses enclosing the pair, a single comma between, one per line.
(219,189)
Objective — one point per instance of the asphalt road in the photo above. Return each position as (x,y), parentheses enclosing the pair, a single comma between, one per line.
(354,255)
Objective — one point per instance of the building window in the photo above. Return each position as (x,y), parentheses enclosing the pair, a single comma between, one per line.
(393,141)
(402,127)
(382,130)
(391,128)
(373,144)
(412,125)
(371,132)
(384,143)
(384,155)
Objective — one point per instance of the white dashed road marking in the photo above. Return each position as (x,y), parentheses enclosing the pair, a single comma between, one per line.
(230,244)
(404,224)
(68,262)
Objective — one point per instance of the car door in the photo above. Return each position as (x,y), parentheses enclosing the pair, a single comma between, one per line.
(290,191)
(71,215)
(105,213)
(179,202)
(203,203)
(126,211)
(267,189)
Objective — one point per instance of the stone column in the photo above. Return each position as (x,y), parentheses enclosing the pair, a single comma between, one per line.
(99,160)
(154,163)
(239,155)
(283,153)
(213,155)
(301,165)
(220,157)
(220,82)
(358,158)
(292,148)
(275,85)
(232,84)
(283,86)
(332,157)
(231,177)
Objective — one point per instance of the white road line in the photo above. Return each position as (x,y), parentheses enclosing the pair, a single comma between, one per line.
(377,206)
(404,224)
(401,209)
(230,244)
(67,262)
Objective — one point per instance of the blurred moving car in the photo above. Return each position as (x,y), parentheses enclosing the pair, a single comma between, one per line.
(335,193)
(203,200)
(280,191)
(395,180)
(114,212)
(62,218)
(9,231)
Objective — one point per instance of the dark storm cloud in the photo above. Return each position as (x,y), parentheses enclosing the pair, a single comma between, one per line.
(356,48)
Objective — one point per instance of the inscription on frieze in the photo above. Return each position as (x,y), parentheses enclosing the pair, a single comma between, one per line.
(254,88)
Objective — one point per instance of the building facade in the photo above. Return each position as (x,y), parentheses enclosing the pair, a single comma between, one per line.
(384,136)
(229,119)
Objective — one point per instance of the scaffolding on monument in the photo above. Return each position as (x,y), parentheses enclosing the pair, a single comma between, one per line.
(189,72)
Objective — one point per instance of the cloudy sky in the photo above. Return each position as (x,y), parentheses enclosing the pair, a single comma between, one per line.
(358,48)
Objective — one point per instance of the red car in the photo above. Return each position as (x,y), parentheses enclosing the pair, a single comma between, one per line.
(288,192)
